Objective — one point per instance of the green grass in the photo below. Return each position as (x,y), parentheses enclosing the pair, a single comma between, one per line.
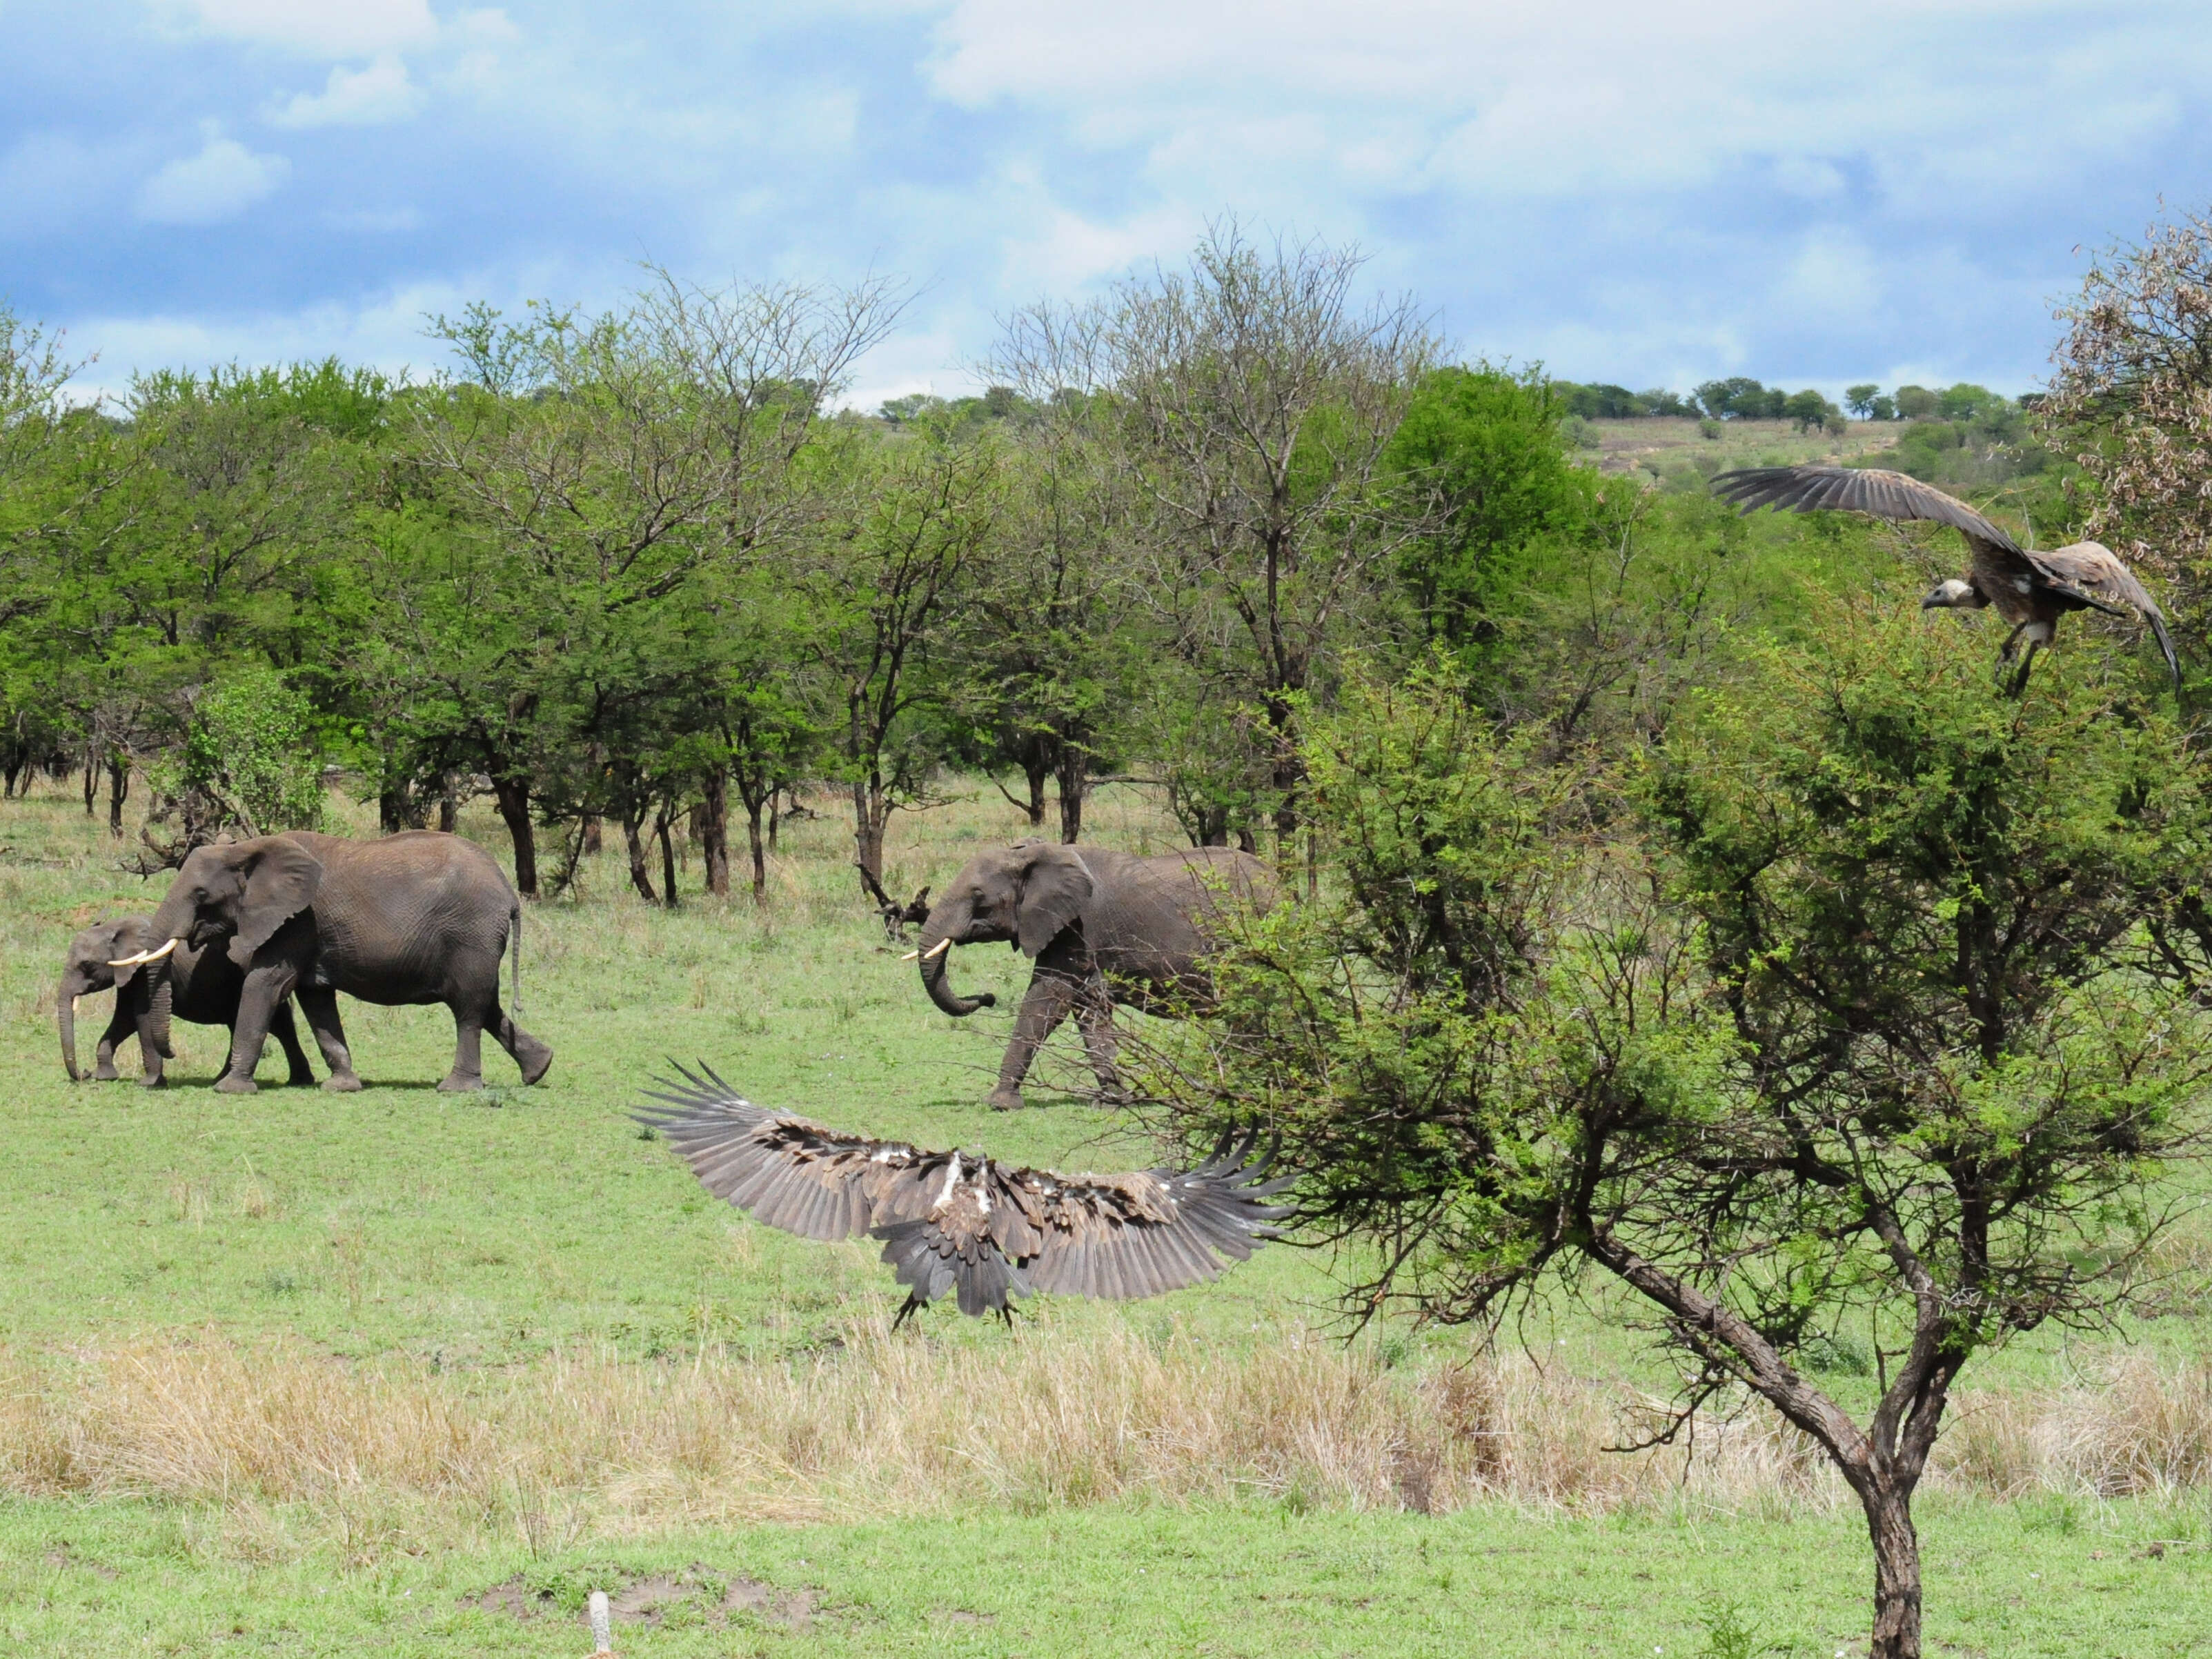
(106,1579)
(477,1234)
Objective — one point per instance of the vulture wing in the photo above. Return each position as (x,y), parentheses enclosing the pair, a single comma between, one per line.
(950,1222)
(1880,494)
(2094,571)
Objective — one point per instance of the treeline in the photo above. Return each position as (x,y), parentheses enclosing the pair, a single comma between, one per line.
(641,574)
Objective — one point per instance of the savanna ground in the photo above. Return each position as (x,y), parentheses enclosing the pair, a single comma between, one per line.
(1668,447)
(409,1373)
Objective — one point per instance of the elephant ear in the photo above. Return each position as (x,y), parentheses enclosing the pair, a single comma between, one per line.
(282,878)
(1055,890)
(127,937)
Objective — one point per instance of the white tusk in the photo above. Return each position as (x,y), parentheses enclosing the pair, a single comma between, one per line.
(910,955)
(937,950)
(145,956)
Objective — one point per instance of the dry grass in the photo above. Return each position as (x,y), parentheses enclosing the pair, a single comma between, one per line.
(884,1426)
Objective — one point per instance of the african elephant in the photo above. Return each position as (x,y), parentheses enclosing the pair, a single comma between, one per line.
(1102,927)
(418,917)
(201,986)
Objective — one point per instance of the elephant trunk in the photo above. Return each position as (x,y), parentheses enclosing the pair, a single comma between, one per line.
(65,995)
(160,996)
(936,952)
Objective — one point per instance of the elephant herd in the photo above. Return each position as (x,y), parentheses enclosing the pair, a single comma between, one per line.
(250,928)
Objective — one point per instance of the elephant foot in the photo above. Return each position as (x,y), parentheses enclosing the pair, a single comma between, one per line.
(343,1083)
(106,1074)
(154,1080)
(230,1083)
(536,1060)
(457,1082)
(1006,1100)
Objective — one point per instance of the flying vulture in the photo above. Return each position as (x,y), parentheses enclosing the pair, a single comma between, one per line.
(2031,591)
(963,1220)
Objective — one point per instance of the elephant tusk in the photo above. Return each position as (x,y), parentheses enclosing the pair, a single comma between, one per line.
(910,955)
(145,956)
(937,950)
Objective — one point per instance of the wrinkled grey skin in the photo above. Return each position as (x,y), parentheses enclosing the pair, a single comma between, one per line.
(201,987)
(415,918)
(1103,928)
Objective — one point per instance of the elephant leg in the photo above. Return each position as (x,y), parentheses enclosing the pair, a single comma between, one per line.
(467,1075)
(1051,995)
(532,1056)
(265,989)
(121,1026)
(320,1004)
(1094,1015)
(286,1030)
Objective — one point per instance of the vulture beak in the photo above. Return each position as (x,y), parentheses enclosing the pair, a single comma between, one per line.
(144,957)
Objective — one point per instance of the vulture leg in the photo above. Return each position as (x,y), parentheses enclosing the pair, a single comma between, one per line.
(912,1302)
(2027,661)
(2004,651)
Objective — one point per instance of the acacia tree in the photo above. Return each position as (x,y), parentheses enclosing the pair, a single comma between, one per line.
(884,585)
(1858,1041)
(1256,397)
(2131,399)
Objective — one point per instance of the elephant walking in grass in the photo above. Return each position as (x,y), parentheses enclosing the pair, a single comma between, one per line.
(415,918)
(201,986)
(1103,928)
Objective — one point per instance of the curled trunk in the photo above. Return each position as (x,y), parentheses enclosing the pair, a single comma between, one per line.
(933,978)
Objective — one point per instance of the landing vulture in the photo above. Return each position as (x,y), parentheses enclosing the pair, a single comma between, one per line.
(2031,591)
(960,1219)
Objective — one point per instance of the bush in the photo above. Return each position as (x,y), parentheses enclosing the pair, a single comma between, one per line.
(251,764)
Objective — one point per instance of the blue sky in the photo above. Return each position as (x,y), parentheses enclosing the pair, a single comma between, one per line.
(1653,193)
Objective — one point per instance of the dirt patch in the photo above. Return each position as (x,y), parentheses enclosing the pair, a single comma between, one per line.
(649,1599)
(962,1616)
(61,1558)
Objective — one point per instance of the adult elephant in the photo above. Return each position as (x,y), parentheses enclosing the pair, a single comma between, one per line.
(415,918)
(1102,927)
(200,985)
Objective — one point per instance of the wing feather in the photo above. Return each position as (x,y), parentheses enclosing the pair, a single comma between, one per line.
(1872,491)
(992,1233)
(2097,572)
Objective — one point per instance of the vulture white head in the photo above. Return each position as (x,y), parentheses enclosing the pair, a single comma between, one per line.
(1953,595)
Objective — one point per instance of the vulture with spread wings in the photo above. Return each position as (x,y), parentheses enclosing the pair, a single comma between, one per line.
(2031,591)
(959,1220)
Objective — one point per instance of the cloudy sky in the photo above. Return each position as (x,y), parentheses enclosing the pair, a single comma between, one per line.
(1651,191)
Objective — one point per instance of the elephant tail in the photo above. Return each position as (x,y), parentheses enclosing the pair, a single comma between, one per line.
(514,944)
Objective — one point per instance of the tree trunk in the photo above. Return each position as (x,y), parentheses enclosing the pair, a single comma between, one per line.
(1896,1573)
(1074,784)
(514,797)
(594,839)
(641,874)
(118,791)
(868,830)
(1037,775)
(775,814)
(667,855)
(449,802)
(714,842)
(760,859)
(1214,826)
(91,781)
(1246,841)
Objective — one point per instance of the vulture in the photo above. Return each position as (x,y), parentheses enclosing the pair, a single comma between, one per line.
(962,1221)
(2031,591)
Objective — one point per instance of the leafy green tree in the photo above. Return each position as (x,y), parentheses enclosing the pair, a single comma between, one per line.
(1916,403)
(1858,1037)
(250,764)
(1482,446)
(1859,399)
(1883,408)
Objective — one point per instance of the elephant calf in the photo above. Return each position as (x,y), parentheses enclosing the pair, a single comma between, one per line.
(420,917)
(1103,928)
(201,986)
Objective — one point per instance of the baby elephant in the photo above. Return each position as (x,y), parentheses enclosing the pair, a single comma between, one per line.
(204,987)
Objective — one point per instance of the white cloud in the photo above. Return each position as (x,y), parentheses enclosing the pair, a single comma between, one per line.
(221,182)
(366,97)
(320,29)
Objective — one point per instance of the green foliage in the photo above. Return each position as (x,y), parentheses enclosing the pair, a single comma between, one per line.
(249,761)
(1484,446)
